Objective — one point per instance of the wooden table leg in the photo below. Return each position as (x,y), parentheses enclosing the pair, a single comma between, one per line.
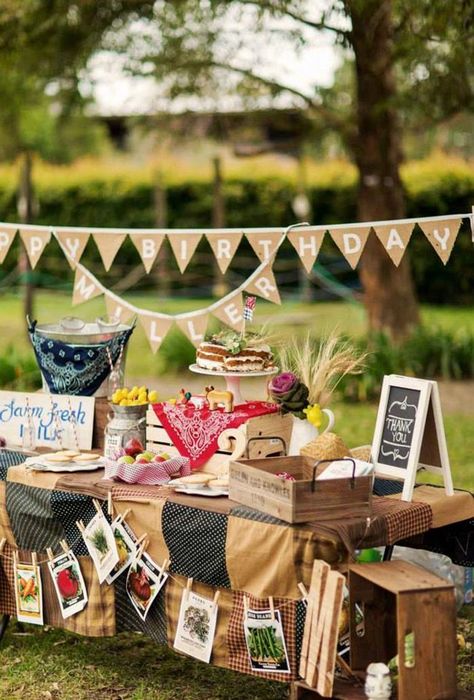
(3,625)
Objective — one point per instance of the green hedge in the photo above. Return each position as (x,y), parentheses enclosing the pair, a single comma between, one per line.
(100,198)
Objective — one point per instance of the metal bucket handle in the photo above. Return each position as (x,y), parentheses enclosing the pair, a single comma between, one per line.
(328,461)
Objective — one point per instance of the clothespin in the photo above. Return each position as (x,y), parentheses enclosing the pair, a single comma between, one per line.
(80,525)
(189,585)
(141,539)
(216,597)
(303,591)
(3,542)
(97,505)
(272,607)
(34,559)
(144,542)
(15,558)
(50,554)
(163,570)
(123,515)
(65,546)
(246,604)
(110,505)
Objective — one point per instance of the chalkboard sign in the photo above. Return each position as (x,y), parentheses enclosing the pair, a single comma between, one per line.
(409,425)
(399,423)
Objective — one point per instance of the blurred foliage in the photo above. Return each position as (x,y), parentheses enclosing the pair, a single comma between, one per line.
(18,371)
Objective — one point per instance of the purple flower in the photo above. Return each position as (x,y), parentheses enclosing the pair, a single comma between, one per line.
(283,383)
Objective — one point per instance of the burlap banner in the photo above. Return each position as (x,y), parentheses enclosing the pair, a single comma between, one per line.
(6,239)
(155,329)
(183,246)
(108,245)
(224,247)
(264,285)
(73,243)
(394,238)
(85,287)
(148,246)
(442,235)
(351,242)
(307,244)
(35,241)
(264,244)
(116,308)
(194,327)
(230,312)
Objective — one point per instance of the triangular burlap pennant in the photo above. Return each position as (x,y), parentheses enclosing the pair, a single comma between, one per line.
(307,243)
(442,235)
(394,238)
(6,239)
(351,242)
(73,243)
(116,308)
(194,327)
(85,287)
(148,246)
(155,329)
(224,246)
(231,312)
(264,285)
(35,241)
(264,244)
(108,245)
(184,245)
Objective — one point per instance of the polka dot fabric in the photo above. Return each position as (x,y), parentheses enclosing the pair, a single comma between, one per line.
(67,508)
(9,458)
(32,520)
(196,542)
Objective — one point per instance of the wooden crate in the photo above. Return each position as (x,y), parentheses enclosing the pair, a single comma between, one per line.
(253,483)
(101,413)
(263,436)
(398,598)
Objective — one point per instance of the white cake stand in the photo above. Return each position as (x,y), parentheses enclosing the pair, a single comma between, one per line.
(232,379)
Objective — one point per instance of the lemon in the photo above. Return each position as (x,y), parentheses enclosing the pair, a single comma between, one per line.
(153,396)
(142,390)
(124,402)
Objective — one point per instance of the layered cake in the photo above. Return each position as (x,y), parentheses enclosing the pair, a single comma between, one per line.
(228,352)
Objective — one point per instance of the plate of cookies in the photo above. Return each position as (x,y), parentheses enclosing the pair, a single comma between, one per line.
(201,484)
(65,461)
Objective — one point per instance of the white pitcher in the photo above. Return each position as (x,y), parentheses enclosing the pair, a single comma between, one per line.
(303,431)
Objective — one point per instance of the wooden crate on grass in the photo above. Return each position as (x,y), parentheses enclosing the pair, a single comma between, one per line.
(398,599)
(264,436)
(253,482)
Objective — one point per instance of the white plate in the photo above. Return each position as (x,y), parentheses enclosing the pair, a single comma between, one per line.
(225,373)
(201,492)
(42,465)
(176,483)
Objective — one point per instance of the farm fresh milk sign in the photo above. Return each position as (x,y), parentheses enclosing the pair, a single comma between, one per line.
(46,420)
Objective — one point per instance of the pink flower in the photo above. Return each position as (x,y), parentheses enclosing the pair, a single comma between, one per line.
(282,383)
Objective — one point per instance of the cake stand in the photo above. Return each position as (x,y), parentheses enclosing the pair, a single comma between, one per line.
(232,379)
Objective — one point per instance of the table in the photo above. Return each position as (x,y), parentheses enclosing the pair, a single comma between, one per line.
(220,544)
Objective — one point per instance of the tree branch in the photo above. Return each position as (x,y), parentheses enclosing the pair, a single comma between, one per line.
(302,20)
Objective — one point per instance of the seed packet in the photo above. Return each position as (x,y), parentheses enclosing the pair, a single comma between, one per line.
(100,542)
(68,583)
(28,593)
(266,641)
(126,547)
(145,579)
(196,626)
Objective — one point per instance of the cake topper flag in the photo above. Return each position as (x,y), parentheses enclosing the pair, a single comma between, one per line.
(249,308)
(6,239)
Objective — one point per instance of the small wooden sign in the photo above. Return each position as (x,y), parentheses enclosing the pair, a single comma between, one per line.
(409,432)
(46,420)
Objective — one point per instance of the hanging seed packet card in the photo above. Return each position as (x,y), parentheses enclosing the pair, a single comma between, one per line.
(28,593)
(68,583)
(145,579)
(266,641)
(196,626)
(100,542)
(126,547)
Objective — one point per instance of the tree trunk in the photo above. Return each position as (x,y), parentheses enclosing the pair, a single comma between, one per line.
(389,292)
(25,211)
(219,287)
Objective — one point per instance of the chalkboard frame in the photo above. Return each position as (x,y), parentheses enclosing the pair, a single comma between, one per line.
(406,474)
